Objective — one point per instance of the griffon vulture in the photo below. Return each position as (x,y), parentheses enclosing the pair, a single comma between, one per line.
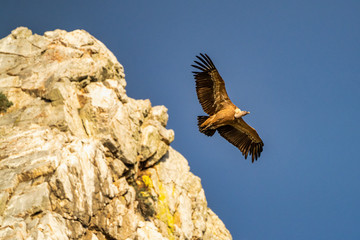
(224,116)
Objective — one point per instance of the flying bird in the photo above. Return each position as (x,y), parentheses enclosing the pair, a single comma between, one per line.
(224,116)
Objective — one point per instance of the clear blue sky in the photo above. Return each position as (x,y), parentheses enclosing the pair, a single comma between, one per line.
(295,65)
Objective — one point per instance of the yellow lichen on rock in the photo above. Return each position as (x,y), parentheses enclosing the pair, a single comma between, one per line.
(147,181)
(156,191)
(163,213)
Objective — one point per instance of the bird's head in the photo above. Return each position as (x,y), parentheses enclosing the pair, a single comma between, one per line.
(239,113)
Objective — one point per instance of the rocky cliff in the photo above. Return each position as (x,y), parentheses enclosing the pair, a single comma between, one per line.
(79,159)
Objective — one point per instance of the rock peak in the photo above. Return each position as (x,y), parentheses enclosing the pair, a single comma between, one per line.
(80,159)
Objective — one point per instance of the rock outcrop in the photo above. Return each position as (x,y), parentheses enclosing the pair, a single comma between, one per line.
(79,159)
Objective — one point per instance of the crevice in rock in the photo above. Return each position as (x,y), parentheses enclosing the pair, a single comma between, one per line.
(14,54)
(45,99)
(106,234)
(34,44)
(36,213)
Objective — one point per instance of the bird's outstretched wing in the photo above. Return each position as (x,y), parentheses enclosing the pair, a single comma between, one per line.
(210,87)
(244,137)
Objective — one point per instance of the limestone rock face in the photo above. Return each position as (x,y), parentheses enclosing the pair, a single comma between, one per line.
(79,159)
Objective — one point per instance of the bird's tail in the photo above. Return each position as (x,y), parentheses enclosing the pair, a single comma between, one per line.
(207,132)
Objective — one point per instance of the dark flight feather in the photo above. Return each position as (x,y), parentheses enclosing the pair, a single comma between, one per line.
(209,84)
(247,146)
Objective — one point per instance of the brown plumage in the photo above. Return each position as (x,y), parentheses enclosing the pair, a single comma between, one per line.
(224,116)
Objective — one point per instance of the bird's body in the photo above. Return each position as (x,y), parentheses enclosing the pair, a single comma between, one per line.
(224,116)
